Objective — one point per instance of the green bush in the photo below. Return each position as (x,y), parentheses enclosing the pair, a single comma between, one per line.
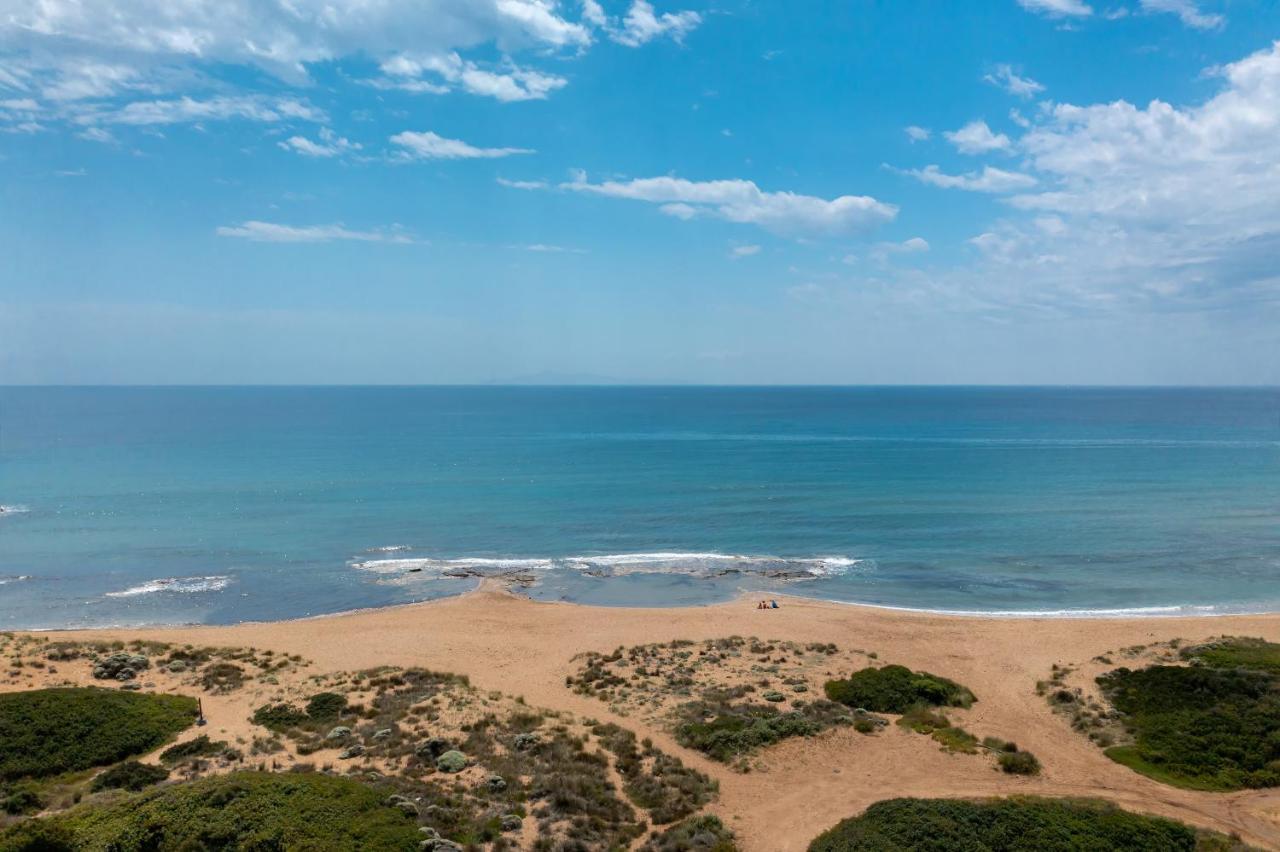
(38,835)
(326,706)
(1022,823)
(279,717)
(747,729)
(130,775)
(1018,763)
(1199,727)
(21,798)
(50,731)
(700,833)
(244,810)
(896,689)
(201,746)
(1231,652)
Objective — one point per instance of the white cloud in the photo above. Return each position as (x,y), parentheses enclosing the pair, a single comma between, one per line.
(1187,11)
(1058,8)
(744,251)
(976,138)
(270,232)
(547,248)
(642,25)
(1005,77)
(916,245)
(523,184)
(742,201)
(330,145)
(917,134)
(444,73)
(186,109)
(990,179)
(427,145)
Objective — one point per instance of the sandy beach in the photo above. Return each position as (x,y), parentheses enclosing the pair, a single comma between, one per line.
(800,787)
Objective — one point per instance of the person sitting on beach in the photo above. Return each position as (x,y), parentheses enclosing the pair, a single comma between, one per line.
(773,604)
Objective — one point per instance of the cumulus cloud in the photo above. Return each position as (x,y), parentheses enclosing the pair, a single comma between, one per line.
(1005,77)
(220,108)
(271,232)
(427,145)
(990,179)
(742,201)
(642,25)
(916,134)
(1155,202)
(744,251)
(329,145)
(977,138)
(1058,8)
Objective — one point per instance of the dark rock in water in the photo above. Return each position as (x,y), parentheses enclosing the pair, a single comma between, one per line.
(414,571)
(511,822)
(495,783)
(524,742)
(451,761)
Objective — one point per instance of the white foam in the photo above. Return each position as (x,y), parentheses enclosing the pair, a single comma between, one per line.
(175,585)
(390,548)
(1166,611)
(15,579)
(696,564)
(6,509)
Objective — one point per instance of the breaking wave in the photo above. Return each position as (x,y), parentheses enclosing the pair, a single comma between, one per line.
(14,579)
(12,510)
(622,564)
(175,585)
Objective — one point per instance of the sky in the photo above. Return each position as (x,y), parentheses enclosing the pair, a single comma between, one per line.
(473,191)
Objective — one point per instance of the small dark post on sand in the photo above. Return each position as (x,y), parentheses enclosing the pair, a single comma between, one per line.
(200,711)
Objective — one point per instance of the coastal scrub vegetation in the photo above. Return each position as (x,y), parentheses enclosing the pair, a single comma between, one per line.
(243,810)
(897,689)
(725,729)
(50,731)
(1018,823)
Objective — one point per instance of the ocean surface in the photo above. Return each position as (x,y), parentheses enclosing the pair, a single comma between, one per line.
(217,505)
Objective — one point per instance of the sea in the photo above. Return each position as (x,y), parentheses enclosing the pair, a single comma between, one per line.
(174,505)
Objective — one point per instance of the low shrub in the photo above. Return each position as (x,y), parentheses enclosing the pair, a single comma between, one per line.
(696,834)
(1020,823)
(244,810)
(201,746)
(50,731)
(896,689)
(1018,763)
(130,775)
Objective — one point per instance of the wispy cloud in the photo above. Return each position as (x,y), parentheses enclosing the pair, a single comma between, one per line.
(1005,77)
(330,145)
(738,252)
(1058,8)
(917,134)
(642,25)
(522,184)
(272,232)
(990,179)
(742,201)
(1187,11)
(427,145)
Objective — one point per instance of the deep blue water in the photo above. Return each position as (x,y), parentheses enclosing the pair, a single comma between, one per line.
(142,505)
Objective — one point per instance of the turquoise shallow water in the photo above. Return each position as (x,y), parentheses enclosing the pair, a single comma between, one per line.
(150,505)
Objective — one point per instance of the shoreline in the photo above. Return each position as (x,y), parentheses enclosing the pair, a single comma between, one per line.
(509,588)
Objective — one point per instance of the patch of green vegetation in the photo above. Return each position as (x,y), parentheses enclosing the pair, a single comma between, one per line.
(1231,652)
(130,775)
(201,746)
(896,689)
(326,706)
(1019,823)
(21,798)
(244,810)
(696,834)
(50,731)
(1018,763)
(1198,727)
(950,737)
(725,731)
(657,782)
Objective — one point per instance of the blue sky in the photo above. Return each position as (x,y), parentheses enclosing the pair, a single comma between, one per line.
(1013,191)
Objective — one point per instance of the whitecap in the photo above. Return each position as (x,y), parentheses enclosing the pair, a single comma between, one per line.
(175,585)
(390,548)
(7,509)
(14,579)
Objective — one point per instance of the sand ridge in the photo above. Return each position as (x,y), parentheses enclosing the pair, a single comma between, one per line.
(526,648)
